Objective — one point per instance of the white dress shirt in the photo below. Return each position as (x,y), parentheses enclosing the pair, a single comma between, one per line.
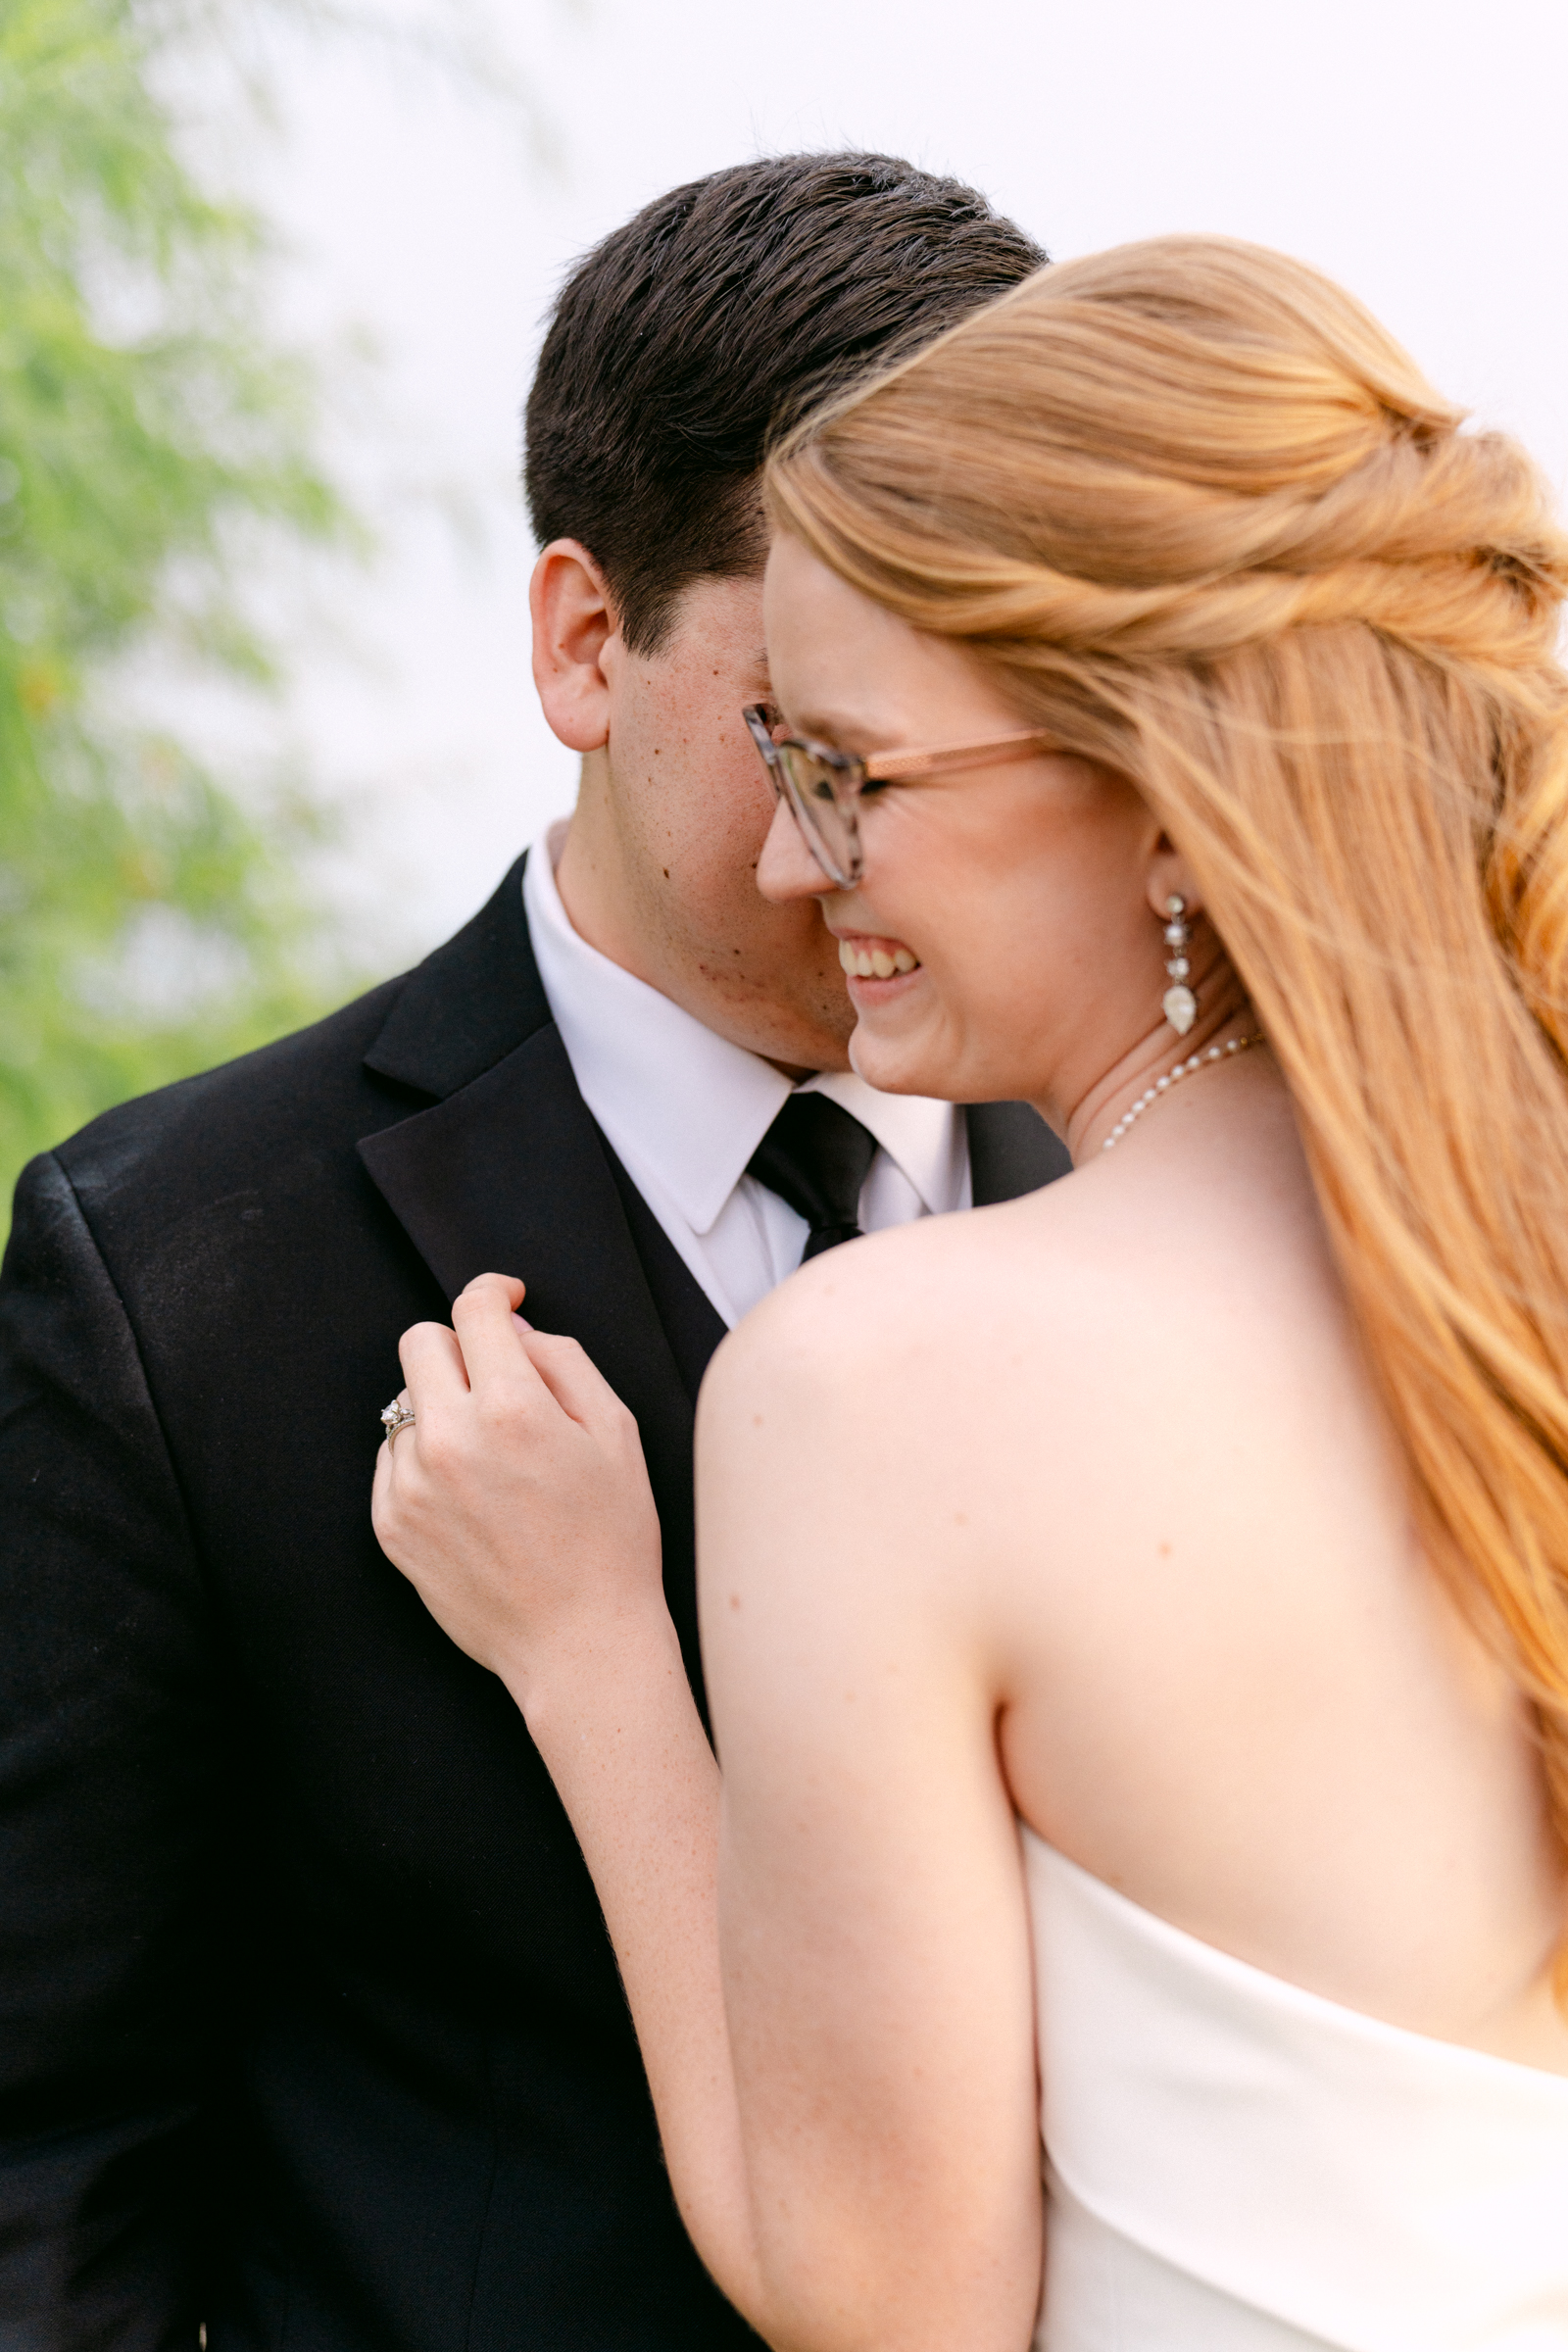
(684,1109)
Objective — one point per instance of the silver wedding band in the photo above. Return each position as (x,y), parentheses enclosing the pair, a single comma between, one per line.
(395,1416)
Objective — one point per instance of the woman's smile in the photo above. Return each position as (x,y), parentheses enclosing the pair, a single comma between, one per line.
(864,957)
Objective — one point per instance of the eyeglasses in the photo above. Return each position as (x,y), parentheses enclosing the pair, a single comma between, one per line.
(823,787)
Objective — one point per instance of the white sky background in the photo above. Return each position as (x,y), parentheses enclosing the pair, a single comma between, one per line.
(1413,150)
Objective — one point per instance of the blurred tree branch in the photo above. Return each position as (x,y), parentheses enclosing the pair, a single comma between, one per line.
(143,420)
(155,447)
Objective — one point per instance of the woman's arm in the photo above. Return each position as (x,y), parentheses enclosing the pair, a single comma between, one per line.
(844,2081)
(617,1728)
(874,1933)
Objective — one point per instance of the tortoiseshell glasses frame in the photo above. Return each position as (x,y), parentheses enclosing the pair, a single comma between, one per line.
(823,786)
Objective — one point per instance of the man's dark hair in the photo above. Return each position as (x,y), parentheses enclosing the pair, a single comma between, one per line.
(710,323)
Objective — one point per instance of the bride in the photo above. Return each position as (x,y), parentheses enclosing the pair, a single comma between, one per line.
(1136,1617)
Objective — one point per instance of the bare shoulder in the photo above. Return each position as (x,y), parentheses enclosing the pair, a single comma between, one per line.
(917,1305)
(1045,1330)
(917,1426)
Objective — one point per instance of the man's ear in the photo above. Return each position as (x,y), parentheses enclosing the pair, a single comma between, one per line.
(573,620)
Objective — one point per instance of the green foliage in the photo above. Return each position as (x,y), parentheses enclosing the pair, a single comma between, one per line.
(150,439)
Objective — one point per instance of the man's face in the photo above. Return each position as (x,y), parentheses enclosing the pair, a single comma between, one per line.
(659,870)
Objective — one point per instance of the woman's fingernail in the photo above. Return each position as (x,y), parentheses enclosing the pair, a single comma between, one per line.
(521,1324)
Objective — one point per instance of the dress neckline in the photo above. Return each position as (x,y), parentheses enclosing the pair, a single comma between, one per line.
(1261,1985)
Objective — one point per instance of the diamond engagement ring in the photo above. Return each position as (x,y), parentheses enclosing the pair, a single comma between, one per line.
(395,1416)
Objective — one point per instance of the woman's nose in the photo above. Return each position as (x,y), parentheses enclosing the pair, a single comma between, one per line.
(786,868)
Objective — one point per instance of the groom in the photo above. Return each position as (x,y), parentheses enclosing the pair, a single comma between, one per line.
(309,2031)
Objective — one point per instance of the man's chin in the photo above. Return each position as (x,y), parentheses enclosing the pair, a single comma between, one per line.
(799,1032)
(799,1057)
(799,1048)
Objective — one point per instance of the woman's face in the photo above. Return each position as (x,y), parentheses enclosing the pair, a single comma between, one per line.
(1021,890)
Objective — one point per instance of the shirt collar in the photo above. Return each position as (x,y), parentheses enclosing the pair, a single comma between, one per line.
(683,1102)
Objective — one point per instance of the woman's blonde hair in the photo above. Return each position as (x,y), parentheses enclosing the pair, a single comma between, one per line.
(1203,520)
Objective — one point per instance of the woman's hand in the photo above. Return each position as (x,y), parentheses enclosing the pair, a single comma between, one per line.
(517,1503)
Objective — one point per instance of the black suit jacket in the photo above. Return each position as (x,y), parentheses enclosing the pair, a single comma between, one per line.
(310,2029)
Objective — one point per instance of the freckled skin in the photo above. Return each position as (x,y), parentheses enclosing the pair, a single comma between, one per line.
(659,867)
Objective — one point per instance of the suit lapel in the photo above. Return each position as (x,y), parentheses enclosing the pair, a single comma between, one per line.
(692,1323)
(508,1173)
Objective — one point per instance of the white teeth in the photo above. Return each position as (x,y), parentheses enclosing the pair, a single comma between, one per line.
(876,963)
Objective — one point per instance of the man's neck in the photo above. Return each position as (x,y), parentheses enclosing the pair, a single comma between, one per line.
(591,882)
(590,877)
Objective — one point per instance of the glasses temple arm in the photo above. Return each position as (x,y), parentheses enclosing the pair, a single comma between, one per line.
(908,768)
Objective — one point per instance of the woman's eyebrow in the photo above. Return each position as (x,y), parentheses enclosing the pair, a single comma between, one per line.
(828,721)
(832,725)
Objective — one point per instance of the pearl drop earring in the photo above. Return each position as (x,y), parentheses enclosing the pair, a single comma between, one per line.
(1180,1001)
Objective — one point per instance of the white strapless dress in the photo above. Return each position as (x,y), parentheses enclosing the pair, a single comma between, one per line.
(1234,2165)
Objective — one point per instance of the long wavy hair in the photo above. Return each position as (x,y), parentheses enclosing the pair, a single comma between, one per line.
(1204,519)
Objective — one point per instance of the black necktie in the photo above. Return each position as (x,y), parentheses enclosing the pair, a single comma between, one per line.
(815,1157)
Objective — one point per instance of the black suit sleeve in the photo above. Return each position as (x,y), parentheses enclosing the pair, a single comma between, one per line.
(107,1796)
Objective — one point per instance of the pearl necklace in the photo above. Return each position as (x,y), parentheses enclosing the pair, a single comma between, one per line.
(1183,1069)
